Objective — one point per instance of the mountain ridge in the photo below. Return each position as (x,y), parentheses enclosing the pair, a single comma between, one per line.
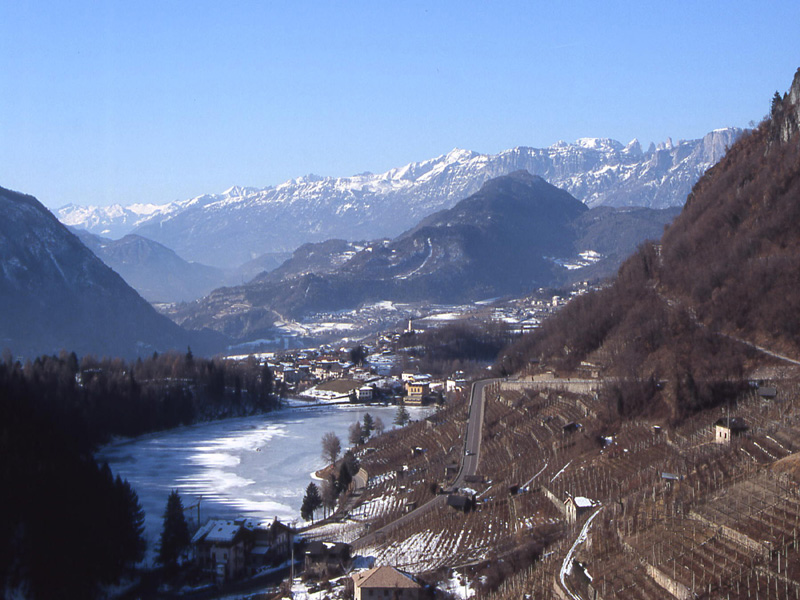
(227,229)
(713,301)
(157,273)
(516,233)
(56,294)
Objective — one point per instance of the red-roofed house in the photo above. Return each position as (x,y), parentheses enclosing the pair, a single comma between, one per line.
(384,583)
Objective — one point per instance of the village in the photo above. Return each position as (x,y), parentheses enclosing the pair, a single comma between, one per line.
(360,374)
(542,500)
(384,321)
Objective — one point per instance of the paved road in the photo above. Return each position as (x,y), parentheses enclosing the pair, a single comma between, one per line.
(674,304)
(469,465)
(472,442)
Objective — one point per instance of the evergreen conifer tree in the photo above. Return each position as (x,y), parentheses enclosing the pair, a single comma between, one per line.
(358,355)
(368,426)
(131,527)
(311,502)
(175,535)
(401,417)
(345,477)
(777,104)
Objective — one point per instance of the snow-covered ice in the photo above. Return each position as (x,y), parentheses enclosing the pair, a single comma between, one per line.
(254,466)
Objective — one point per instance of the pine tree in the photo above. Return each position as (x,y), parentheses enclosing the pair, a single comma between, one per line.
(401,417)
(131,536)
(175,535)
(777,104)
(358,355)
(350,461)
(311,502)
(368,426)
(345,477)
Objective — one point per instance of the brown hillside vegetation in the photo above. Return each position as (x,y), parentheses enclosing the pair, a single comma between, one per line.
(790,466)
(582,489)
(679,322)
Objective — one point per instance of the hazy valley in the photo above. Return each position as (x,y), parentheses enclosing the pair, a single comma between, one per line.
(569,372)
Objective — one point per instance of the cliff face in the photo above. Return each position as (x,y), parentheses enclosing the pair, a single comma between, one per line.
(786,116)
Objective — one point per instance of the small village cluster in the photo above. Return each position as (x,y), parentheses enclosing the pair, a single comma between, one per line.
(519,315)
(328,374)
(227,550)
(343,375)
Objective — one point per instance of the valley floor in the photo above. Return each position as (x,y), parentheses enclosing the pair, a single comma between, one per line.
(673,513)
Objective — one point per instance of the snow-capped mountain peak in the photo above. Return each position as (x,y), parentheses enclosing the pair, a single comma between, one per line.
(598,144)
(243,222)
(633,148)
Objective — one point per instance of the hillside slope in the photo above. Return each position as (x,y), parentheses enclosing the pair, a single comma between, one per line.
(56,294)
(152,269)
(724,278)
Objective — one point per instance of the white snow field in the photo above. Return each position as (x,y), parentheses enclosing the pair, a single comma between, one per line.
(255,467)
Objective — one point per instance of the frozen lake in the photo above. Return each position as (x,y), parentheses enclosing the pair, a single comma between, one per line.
(253,466)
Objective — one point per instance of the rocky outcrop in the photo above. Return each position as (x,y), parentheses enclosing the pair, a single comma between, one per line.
(786,114)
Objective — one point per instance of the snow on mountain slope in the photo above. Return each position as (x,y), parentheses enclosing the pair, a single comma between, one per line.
(241,223)
(113,221)
(56,294)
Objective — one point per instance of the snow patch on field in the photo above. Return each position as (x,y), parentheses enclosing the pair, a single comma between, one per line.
(444,317)
(422,551)
(584,259)
(459,586)
(342,531)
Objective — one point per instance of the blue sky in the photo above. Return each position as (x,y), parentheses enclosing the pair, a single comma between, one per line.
(104,102)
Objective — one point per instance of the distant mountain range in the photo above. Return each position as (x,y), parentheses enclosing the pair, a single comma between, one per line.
(516,233)
(229,229)
(56,294)
(161,276)
(152,269)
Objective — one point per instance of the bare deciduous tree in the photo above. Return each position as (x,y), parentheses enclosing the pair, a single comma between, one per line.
(329,495)
(331,447)
(356,435)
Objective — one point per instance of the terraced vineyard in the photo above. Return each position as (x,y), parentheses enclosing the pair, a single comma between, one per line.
(681,515)
(684,516)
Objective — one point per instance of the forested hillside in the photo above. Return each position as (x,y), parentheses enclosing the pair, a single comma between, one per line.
(67,525)
(55,294)
(679,324)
